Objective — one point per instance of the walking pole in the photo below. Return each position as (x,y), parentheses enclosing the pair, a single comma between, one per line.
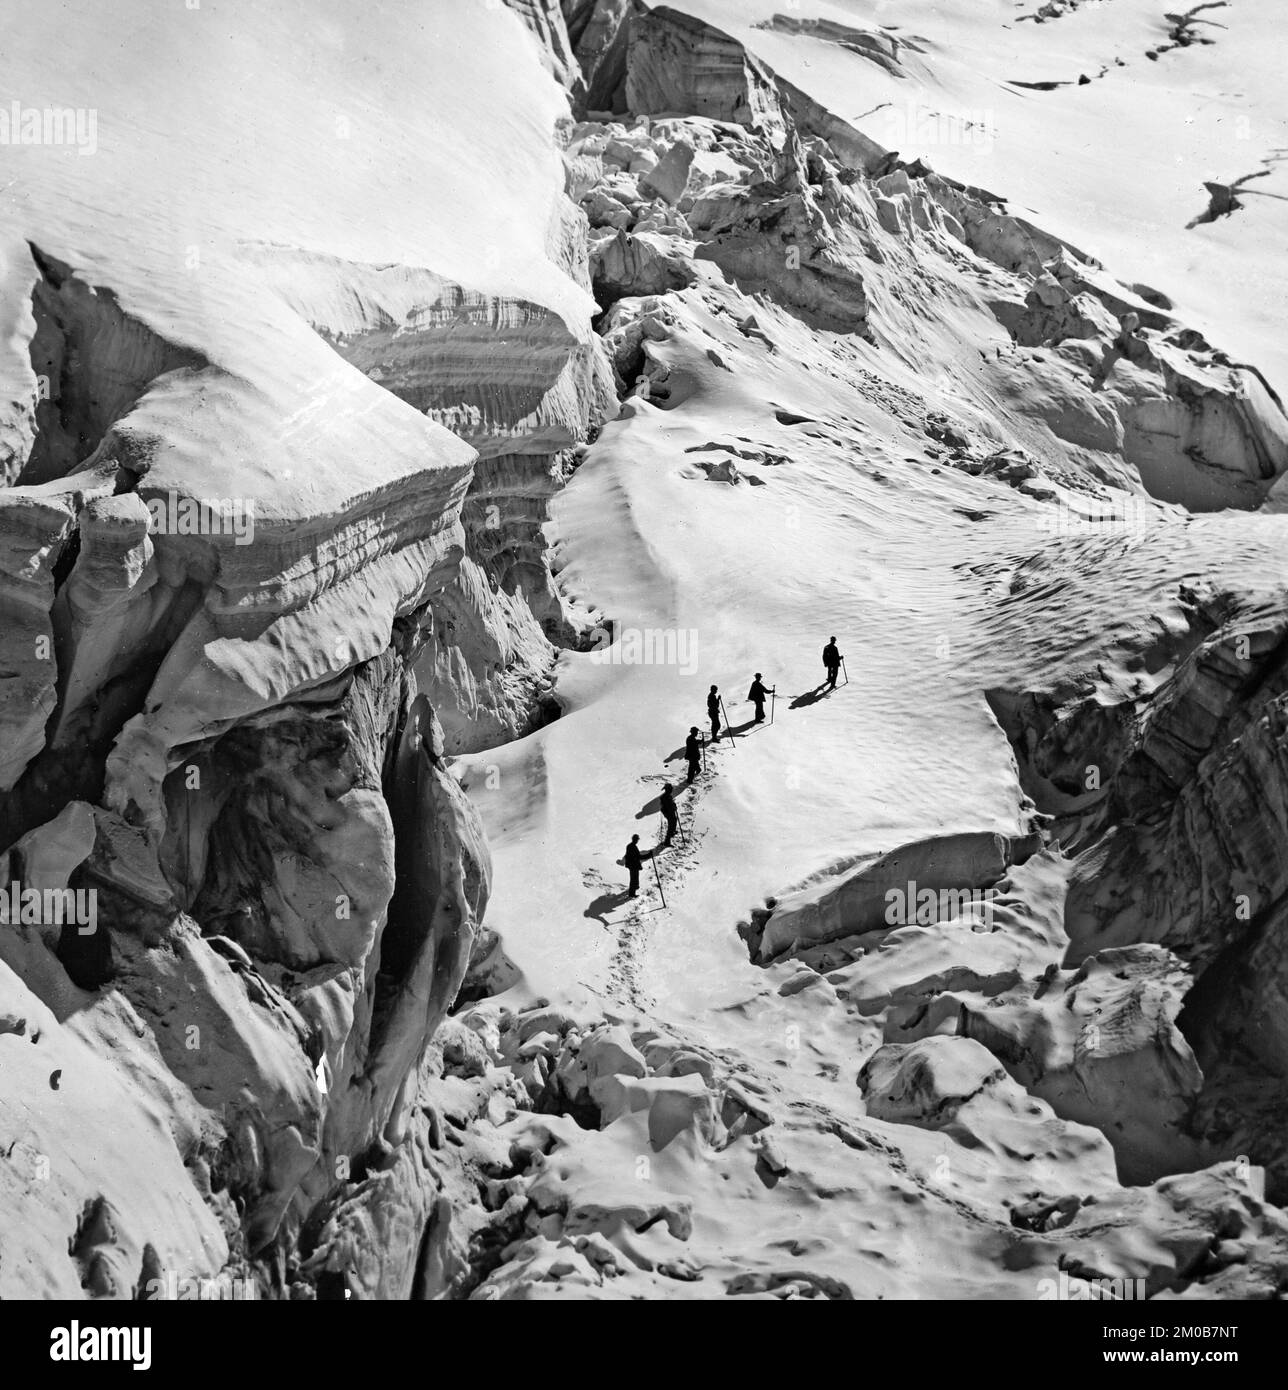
(658,876)
(846,669)
(773,702)
(733,738)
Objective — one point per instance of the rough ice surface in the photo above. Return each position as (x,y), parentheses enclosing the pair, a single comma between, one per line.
(405,419)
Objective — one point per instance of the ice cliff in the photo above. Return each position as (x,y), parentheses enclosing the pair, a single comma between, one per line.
(339,423)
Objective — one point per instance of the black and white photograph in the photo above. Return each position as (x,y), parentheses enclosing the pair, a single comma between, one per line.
(643,659)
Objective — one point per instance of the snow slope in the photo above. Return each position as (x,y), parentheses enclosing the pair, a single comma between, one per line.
(943,589)
(153,349)
(695,1098)
(1115,166)
(295,124)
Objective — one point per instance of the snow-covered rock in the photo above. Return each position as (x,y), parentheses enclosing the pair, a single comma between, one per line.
(339,425)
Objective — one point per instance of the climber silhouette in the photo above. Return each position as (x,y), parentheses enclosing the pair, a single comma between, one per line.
(758,694)
(832,659)
(693,752)
(713,709)
(670,812)
(634,861)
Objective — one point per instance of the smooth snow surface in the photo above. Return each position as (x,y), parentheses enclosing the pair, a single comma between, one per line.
(294,123)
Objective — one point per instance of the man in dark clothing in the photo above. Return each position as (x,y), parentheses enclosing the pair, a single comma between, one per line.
(634,862)
(693,752)
(832,659)
(758,695)
(713,709)
(671,812)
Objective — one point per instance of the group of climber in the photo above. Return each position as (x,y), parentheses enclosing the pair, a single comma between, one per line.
(693,752)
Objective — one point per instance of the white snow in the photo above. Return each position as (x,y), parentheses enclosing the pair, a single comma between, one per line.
(429,145)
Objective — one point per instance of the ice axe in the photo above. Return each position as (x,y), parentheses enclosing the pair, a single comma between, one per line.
(658,877)
(733,738)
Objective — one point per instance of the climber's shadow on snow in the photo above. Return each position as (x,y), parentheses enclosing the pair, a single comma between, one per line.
(810,697)
(679,756)
(606,902)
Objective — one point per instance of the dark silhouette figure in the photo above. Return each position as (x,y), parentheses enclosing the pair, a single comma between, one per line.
(758,694)
(671,812)
(832,662)
(693,752)
(634,862)
(713,709)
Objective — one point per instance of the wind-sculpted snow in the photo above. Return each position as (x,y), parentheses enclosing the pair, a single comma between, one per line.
(968,442)
(388,477)
(223,544)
